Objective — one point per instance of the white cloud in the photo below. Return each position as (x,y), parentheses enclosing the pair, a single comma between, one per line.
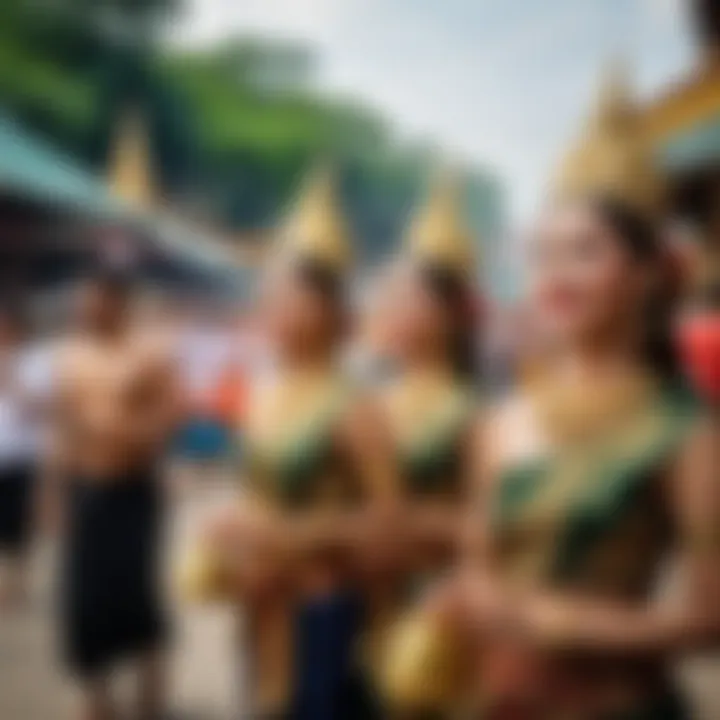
(665,12)
(501,83)
(208,20)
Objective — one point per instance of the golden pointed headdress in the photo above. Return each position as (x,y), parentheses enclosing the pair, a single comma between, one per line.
(130,172)
(612,158)
(437,233)
(316,228)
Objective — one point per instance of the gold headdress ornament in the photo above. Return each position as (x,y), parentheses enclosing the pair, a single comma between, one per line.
(130,172)
(612,158)
(437,233)
(316,228)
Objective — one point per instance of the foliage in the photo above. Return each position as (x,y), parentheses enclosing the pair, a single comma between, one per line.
(232,127)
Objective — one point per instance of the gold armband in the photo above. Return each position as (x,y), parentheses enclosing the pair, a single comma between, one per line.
(201,577)
(420,666)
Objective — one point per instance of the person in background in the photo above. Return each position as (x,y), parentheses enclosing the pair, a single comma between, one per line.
(115,407)
(23,390)
(205,352)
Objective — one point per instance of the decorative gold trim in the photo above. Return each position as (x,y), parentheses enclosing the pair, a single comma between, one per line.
(438,232)
(612,157)
(130,170)
(316,228)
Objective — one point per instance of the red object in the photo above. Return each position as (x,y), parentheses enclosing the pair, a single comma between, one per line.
(699,338)
(228,401)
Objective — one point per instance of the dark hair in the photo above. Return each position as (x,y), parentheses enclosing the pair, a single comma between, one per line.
(113,279)
(640,236)
(15,315)
(326,283)
(453,292)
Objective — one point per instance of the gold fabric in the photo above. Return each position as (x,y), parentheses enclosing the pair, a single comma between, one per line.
(438,233)
(612,157)
(315,228)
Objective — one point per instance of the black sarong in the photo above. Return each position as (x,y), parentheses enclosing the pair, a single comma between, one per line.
(112,605)
(16,493)
(330,683)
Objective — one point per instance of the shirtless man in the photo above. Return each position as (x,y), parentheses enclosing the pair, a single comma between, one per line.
(116,408)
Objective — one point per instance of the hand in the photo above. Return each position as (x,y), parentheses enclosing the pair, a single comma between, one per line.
(250,544)
(482,604)
(506,665)
(379,541)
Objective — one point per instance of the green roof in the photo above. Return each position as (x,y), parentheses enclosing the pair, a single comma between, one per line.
(32,168)
(693,149)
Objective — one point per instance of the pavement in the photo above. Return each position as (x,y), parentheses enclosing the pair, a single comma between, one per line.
(207,669)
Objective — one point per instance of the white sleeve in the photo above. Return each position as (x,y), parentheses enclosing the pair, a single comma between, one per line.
(36,372)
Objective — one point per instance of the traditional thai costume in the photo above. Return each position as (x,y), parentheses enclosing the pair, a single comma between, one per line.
(431,451)
(433,442)
(589,518)
(299,468)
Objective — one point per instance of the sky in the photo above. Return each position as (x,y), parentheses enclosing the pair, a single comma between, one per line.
(503,83)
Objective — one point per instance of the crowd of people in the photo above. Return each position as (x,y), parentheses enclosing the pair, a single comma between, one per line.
(402,546)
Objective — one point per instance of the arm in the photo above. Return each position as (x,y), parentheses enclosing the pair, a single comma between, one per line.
(363,438)
(440,522)
(563,621)
(476,539)
(162,406)
(54,458)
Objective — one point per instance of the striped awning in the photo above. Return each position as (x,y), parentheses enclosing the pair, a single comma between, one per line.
(32,169)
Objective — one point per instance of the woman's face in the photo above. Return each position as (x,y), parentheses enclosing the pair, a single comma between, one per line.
(584,282)
(416,323)
(294,315)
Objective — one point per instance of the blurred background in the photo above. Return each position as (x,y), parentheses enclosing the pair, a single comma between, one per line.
(180,127)
(171,134)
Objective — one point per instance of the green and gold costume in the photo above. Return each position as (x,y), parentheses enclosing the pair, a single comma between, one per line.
(432,419)
(303,640)
(592,517)
(300,466)
(430,449)
(594,520)
(432,458)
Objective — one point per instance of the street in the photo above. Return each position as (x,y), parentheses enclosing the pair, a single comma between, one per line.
(206,675)
(205,678)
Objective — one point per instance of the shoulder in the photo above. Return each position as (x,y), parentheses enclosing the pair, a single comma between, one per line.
(37,365)
(69,353)
(503,427)
(507,415)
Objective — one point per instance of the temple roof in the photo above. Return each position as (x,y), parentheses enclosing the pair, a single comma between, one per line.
(694,100)
(686,104)
(33,169)
(694,148)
